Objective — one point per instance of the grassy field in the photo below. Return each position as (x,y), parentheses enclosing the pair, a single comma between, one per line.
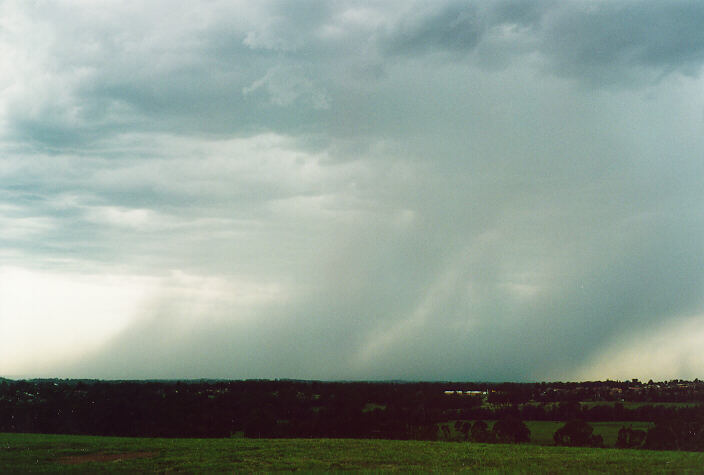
(634,405)
(590,404)
(541,432)
(22,453)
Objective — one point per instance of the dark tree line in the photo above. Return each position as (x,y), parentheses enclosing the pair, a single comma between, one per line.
(321,409)
(668,434)
(220,409)
(507,430)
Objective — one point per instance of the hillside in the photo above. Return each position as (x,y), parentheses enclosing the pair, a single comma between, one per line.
(22,453)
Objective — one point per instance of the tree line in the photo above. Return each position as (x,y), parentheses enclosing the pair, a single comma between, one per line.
(321,409)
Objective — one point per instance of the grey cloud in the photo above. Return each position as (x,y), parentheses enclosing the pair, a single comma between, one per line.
(465,287)
(602,42)
(495,337)
(455,28)
(519,12)
(459,27)
(160,76)
(464,215)
(624,43)
(289,25)
(285,85)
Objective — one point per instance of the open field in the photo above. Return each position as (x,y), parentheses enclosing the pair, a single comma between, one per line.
(636,404)
(541,432)
(58,453)
(590,404)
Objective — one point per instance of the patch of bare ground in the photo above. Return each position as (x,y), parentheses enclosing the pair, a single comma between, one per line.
(103,457)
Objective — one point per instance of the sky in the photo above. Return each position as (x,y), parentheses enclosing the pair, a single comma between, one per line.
(352,190)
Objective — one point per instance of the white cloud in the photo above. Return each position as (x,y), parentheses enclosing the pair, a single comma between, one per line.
(47,316)
(671,350)
(50,318)
(16,225)
(136,219)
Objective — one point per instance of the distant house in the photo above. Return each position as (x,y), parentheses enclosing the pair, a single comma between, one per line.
(459,392)
(476,393)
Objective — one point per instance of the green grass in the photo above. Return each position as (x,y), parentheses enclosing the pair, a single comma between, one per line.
(541,432)
(590,404)
(22,453)
(634,404)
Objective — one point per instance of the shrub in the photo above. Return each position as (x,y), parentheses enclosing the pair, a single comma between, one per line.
(629,438)
(577,433)
(480,432)
(510,429)
(676,434)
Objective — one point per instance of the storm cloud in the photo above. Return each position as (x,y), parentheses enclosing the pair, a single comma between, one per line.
(351,190)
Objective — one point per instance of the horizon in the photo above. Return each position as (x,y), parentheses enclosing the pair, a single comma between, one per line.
(357,190)
(343,381)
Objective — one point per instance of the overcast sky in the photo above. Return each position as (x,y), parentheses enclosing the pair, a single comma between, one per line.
(434,190)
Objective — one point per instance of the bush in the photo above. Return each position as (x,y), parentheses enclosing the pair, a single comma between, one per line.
(510,429)
(676,434)
(463,428)
(577,433)
(629,438)
(480,432)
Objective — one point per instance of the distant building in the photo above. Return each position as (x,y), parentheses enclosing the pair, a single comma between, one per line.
(459,392)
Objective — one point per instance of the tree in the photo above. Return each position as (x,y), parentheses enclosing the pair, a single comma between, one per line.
(629,438)
(510,429)
(677,433)
(480,432)
(463,428)
(446,432)
(261,423)
(577,433)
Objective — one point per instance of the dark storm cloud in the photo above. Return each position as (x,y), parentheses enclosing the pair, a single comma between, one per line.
(455,28)
(430,190)
(112,78)
(503,298)
(602,42)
